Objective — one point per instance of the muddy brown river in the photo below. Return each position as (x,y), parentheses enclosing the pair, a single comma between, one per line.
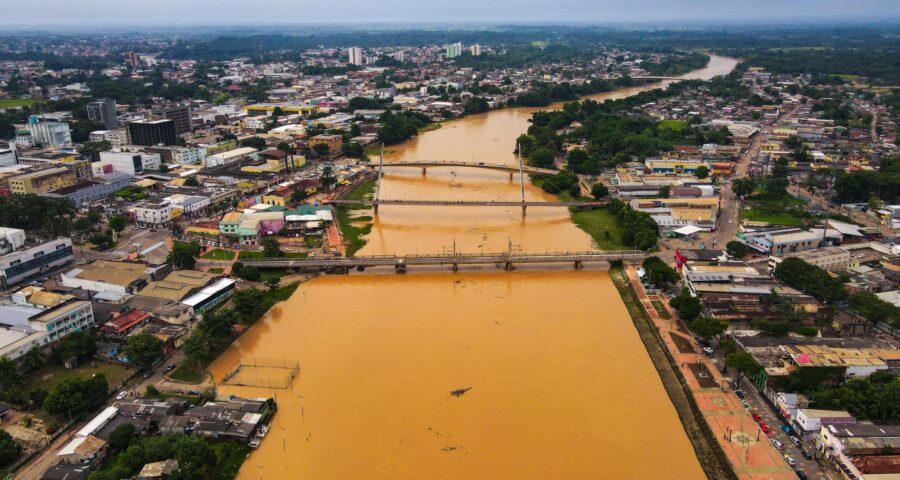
(550,376)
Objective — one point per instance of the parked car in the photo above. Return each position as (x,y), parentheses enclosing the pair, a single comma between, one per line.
(778,444)
(764,427)
(806,454)
(757,417)
(708,350)
(801,475)
(796,441)
(170,367)
(786,429)
(121,395)
(790,460)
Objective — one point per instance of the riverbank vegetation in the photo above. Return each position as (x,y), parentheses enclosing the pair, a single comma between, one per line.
(215,331)
(354,228)
(397,127)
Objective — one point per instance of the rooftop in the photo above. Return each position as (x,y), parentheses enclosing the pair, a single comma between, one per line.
(107,271)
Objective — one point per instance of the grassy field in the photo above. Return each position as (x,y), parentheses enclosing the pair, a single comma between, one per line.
(430,127)
(218,255)
(660,309)
(783,218)
(599,223)
(15,102)
(539,43)
(216,270)
(674,125)
(354,229)
(51,375)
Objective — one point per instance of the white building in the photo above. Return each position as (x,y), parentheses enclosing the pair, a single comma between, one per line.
(131,163)
(116,138)
(25,327)
(232,156)
(49,131)
(355,56)
(187,204)
(8,157)
(20,259)
(153,214)
(475,50)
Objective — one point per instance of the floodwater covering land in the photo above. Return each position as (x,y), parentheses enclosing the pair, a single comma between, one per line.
(487,374)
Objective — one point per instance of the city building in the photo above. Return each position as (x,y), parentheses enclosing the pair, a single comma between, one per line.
(355,56)
(781,241)
(231,157)
(97,188)
(25,327)
(132,58)
(181,116)
(153,214)
(8,156)
(334,142)
(454,50)
(41,181)
(833,259)
(131,163)
(475,50)
(179,155)
(104,111)
(20,258)
(809,421)
(152,132)
(116,138)
(109,276)
(50,130)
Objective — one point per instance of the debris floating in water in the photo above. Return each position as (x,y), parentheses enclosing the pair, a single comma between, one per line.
(459,391)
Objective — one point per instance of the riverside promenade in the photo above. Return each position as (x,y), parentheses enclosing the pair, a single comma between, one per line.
(748,450)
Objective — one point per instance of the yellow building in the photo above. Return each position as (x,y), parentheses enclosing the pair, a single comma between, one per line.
(285,107)
(42,181)
(271,166)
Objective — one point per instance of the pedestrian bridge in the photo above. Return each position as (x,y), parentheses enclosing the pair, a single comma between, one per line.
(454,260)
(469,203)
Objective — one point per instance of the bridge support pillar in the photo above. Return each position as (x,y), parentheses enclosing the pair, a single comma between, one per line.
(510,176)
(455,267)
(376,208)
(523,210)
(508,266)
(400,268)
(424,170)
(578,265)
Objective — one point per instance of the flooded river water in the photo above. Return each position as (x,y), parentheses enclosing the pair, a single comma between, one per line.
(560,384)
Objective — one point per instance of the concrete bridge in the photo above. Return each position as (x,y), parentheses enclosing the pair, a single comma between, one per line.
(470,203)
(454,260)
(650,77)
(425,164)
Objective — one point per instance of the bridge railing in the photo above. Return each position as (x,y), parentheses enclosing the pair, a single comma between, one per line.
(426,256)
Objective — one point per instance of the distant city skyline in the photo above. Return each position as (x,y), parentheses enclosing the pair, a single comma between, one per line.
(286,12)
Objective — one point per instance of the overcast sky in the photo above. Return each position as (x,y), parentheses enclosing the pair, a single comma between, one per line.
(243,12)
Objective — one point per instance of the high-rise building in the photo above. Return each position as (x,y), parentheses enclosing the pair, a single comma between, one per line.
(181,115)
(475,50)
(50,130)
(355,55)
(151,132)
(132,59)
(104,111)
(454,50)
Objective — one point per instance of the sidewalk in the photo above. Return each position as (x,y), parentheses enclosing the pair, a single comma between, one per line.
(747,448)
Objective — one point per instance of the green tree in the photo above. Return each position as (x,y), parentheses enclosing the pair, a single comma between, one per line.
(9,449)
(76,396)
(121,436)
(743,186)
(184,255)
(737,249)
(707,327)
(810,279)
(744,363)
(254,142)
(196,460)
(246,301)
(143,350)
(542,157)
(658,272)
(271,247)
(702,172)
(599,190)
(273,283)
(80,345)
(9,374)
(321,149)
(665,191)
(118,223)
(687,306)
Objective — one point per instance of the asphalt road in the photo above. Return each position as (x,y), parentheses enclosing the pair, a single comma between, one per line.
(773,420)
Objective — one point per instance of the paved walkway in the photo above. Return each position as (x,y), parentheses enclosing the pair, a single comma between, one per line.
(747,448)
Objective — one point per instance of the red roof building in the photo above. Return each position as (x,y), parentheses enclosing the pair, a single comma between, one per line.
(125,323)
